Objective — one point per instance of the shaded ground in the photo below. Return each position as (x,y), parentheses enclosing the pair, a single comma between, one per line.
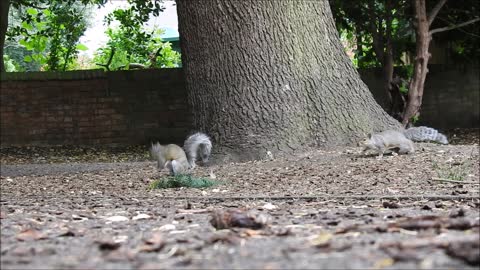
(330,209)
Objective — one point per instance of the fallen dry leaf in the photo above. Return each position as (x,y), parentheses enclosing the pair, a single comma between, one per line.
(391,205)
(71,232)
(155,243)
(229,238)
(107,244)
(432,222)
(322,240)
(418,223)
(460,212)
(383,263)
(192,211)
(224,219)
(269,206)
(403,254)
(251,233)
(117,218)
(141,216)
(23,251)
(468,251)
(167,227)
(30,234)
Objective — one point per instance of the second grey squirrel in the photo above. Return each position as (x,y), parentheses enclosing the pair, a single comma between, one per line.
(424,134)
(385,141)
(177,160)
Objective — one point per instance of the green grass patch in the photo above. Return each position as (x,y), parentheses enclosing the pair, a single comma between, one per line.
(182,180)
(456,171)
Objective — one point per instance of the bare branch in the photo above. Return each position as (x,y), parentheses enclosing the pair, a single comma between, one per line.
(132,66)
(107,65)
(136,65)
(463,31)
(435,11)
(454,181)
(443,29)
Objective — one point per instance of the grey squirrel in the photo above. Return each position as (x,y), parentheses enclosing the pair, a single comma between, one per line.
(423,134)
(387,140)
(180,160)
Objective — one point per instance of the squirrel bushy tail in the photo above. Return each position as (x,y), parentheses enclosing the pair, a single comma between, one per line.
(422,134)
(197,144)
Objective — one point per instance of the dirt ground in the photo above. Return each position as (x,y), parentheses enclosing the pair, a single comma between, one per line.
(67,208)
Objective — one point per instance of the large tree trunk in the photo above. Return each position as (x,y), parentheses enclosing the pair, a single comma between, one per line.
(4,7)
(273,76)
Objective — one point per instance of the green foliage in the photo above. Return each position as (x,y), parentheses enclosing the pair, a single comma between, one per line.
(138,13)
(182,180)
(64,38)
(10,65)
(405,71)
(51,32)
(373,25)
(136,47)
(14,50)
(404,88)
(131,42)
(415,118)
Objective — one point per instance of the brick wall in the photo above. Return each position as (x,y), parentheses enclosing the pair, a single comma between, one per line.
(136,107)
(93,107)
(451,97)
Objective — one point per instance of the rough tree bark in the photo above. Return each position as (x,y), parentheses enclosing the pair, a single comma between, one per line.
(272,76)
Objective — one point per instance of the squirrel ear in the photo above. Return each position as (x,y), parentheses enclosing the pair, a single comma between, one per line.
(370,135)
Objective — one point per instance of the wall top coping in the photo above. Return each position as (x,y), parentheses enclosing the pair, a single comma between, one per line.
(53,75)
(76,74)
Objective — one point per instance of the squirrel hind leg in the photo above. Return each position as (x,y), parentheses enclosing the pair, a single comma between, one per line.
(380,151)
(191,162)
(178,167)
(170,166)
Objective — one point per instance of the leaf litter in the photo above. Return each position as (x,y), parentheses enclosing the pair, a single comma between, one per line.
(228,232)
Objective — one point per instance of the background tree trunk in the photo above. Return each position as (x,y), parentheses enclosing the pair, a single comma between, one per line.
(415,89)
(4,8)
(272,76)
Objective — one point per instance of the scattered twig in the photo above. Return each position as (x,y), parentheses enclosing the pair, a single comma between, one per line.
(453,26)
(169,254)
(454,181)
(193,211)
